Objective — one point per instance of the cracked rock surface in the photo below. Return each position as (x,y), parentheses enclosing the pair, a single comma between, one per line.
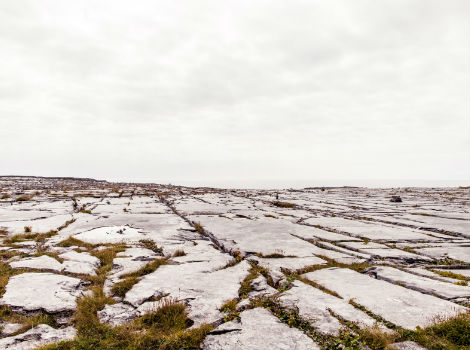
(37,336)
(257,329)
(277,269)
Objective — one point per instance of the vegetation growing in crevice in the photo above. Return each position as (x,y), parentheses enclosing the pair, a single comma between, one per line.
(453,275)
(26,322)
(164,329)
(150,244)
(283,204)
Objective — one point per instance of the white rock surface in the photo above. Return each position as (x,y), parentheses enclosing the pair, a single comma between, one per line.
(201,290)
(261,288)
(370,230)
(257,329)
(113,234)
(404,307)
(313,304)
(407,345)
(457,252)
(117,314)
(81,263)
(43,262)
(9,328)
(40,225)
(38,336)
(41,291)
(422,284)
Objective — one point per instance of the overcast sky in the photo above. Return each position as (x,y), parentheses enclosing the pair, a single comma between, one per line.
(217,91)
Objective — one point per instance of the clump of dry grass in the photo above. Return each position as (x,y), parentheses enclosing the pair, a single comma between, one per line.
(150,244)
(74,242)
(178,252)
(164,329)
(24,198)
(283,204)
(199,228)
(149,268)
(121,288)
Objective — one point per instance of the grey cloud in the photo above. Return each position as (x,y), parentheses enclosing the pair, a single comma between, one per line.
(246,89)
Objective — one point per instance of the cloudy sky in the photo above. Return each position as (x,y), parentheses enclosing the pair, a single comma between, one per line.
(214,92)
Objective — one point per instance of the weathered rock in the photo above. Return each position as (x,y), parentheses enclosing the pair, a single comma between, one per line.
(117,314)
(36,337)
(261,288)
(113,234)
(82,263)
(406,345)
(9,328)
(41,291)
(314,305)
(422,284)
(396,199)
(404,307)
(42,262)
(370,230)
(201,290)
(257,329)
(456,252)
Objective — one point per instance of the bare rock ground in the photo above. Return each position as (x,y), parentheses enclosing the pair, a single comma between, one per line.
(280,269)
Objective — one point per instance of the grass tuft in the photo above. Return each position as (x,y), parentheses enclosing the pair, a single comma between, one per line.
(121,288)
(178,252)
(283,204)
(150,244)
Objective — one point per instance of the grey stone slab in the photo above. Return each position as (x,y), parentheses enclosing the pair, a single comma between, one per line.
(404,307)
(38,336)
(422,284)
(257,329)
(42,291)
(192,283)
(314,305)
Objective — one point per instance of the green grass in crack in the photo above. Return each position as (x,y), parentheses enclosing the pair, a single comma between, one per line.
(128,280)
(164,329)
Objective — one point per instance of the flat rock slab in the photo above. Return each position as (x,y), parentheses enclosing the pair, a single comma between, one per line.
(111,234)
(422,284)
(42,262)
(370,230)
(117,314)
(406,345)
(204,292)
(9,328)
(453,225)
(266,236)
(257,329)
(456,252)
(81,263)
(38,336)
(314,232)
(161,228)
(345,250)
(404,307)
(41,291)
(44,224)
(313,304)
